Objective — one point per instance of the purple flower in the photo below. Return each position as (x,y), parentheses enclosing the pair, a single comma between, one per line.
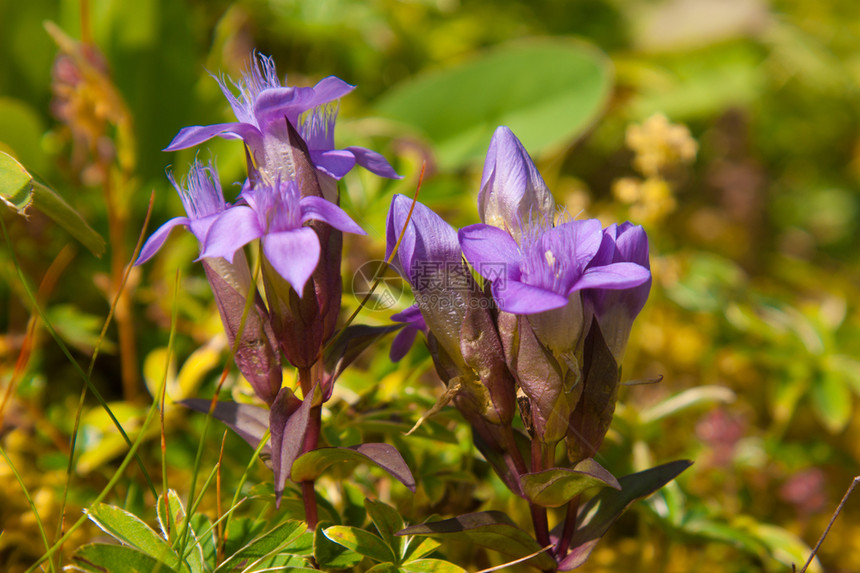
(263,106)
(616,309)
(513,194)
(276,215)
(429,257)
(547,267)
(203,201)
(413,324)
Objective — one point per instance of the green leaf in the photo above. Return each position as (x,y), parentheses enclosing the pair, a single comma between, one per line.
(277,539)
(361,541)
(602,510)
(555,487)
(19,189)
(698,396)
(548,91)
(431,566)
(169,522)
(417,548)
(491,529)
(387,521)
(129,529)
(831,401)
(383,568)
(98,558)
(201,525)
(311,465)
(331,555)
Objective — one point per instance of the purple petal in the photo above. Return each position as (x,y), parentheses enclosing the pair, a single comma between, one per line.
(197,134)
(519,298)
(428,239)
(631,244)
(335,163)
(274,104)
(411,316)
(234,228)
(329,89)
(614,276)
(374,162)
(492,252)
(154,242)
(294,254)
(324,210)
(401,344)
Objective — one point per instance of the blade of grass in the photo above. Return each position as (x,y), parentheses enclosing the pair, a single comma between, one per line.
(29,499)
(68,354)
(96,349)
(130,455)
(249,302)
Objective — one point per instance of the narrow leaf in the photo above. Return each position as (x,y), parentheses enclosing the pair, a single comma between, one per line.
(431,566)
(288,420)
(276,540)
(250,422)
(350,343)
(311,465)
(361,541)
(602,510)
(387,521)
(491,529)
(555,487)
(331,555)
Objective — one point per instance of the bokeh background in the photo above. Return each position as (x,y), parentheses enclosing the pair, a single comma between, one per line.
(730,129)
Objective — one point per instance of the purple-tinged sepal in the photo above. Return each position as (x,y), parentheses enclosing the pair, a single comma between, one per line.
(413,323)
(513,194)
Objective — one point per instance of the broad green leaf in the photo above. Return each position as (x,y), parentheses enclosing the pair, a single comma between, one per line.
(831,400)
(548,91)
(311,465)
(130,530)
(20,190)
(555,487)
(431,566)
(276,540)
(331,555)
(361,541)
(491,529)
(602,510)
(387,521)
(98,558)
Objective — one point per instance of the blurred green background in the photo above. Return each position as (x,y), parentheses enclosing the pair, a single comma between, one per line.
(753,320)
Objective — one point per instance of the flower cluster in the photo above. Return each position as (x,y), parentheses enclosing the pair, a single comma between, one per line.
(289,204)
(562,299)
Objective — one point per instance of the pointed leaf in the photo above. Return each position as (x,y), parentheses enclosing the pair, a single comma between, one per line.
(99,557)
(130,530)
(361,541)
(387,521)
(602,510)
(491,529)
(276,540)
(350,343)
(169,521)
(557,486)
(311,465)
(431,566)
(420,547)
(383,568)
(205,534)
(561,88)
(331,555)
(250,422)
(288,420)
(19,189)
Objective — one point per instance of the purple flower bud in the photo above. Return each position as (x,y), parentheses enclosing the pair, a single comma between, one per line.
(616,309)
(513,195)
